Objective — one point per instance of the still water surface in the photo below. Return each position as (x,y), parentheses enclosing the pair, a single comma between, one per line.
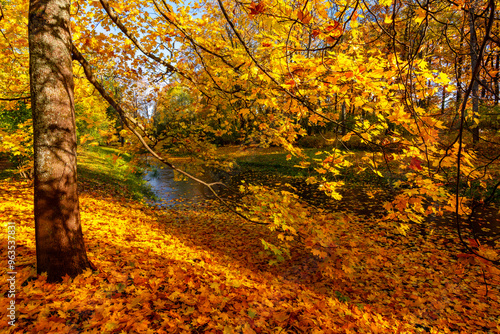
(172,191)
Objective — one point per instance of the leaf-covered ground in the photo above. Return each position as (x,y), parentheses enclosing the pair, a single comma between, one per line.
(203,271)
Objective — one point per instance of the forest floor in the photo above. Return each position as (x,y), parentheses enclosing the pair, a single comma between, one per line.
(204,270)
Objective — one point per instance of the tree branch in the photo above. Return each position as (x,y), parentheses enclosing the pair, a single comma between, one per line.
(15,98)
(131,123)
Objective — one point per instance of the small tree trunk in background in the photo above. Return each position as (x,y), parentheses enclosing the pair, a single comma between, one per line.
(443,100)
(343,120)
(495,80)
(60,249)
(458,70)
(475,83)
(122,139)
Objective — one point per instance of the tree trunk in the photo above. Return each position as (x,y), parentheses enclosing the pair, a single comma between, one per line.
(495,80)
(443,100)
(343,120)
(60,248)
(475,85)
(458,70)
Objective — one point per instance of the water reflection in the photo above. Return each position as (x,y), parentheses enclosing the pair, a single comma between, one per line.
(171,190)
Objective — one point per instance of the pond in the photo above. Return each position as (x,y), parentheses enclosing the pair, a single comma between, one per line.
(173,191)
(355,198)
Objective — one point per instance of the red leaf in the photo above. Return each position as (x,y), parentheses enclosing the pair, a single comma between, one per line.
(473,243)
(291,82)
(256,8)
(415,163)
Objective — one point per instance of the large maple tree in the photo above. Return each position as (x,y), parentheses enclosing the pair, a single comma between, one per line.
(59,237)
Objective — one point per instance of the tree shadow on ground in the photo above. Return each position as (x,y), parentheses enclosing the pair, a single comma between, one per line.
(403,276)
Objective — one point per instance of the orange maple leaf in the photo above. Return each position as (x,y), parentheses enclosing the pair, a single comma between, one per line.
(304,17)
(334,31)
(335,26)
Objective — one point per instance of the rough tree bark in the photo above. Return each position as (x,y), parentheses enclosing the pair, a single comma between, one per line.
(60,248)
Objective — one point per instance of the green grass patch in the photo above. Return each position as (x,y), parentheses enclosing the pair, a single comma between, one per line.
(107,170)
(110,170)
(275,163)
